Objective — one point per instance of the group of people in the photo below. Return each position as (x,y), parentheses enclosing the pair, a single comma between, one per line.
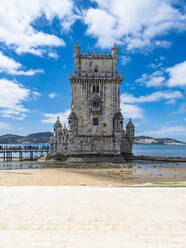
(24,148)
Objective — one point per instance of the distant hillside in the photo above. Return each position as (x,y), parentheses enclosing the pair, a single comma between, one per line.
(44,137)
(36,138)
(149,140)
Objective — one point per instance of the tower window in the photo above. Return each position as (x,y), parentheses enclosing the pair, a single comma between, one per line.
(95,121)
(96,104)
(96,70)
(95,88)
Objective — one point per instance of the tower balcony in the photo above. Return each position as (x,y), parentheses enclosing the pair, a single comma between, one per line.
(96,75)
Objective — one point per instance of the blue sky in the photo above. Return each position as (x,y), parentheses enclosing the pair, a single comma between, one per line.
(36,56)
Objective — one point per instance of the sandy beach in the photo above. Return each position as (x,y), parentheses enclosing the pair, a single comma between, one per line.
(162,176)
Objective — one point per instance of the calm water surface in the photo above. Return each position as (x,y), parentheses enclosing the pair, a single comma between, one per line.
(160,150)
(149,150)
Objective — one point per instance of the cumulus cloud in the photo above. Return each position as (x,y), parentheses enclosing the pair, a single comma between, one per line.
(132,111)
(129,108)
(155,79)
(154,97)
(177,75)
(51,118)
(16,23)
(10,66)
(174,76)
(134,23)
(12,96)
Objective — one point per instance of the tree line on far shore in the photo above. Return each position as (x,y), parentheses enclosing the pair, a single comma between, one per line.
(43,138)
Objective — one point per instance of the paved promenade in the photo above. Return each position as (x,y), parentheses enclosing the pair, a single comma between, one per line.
(85,217)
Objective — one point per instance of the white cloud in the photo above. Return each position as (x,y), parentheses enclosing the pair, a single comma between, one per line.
(133,23)
(129,110)
(177,75)
(174,76)
(155,65)
(53,55)
(163,43)
(52,95)
(155,79)
(154,97)
(172,102)
(165,131)
(12,96)
(10,66)
(184,119)
(17,19)
(63,116)
(132,111)
(35,95)
(125,60)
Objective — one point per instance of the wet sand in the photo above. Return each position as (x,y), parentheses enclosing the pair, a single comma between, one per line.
(173,176)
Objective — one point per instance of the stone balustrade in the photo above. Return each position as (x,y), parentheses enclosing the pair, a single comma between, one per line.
(97,75)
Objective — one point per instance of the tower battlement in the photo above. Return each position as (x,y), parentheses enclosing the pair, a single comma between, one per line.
(95,54)
(95,62)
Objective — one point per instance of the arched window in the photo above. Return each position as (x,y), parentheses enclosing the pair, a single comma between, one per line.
(95,68)
(95,104)
(95,121)
(95,88)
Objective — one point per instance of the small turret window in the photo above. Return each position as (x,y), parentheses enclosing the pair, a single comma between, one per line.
(95,121)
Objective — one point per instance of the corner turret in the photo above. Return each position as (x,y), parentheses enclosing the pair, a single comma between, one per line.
(77,50)
(130,129)
(77,54)
(115,50)
(57,127)
(115,57)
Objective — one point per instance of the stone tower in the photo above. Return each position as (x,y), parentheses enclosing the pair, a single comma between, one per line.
(95,121)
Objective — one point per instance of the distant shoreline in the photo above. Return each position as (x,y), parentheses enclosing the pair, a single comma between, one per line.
(44,137)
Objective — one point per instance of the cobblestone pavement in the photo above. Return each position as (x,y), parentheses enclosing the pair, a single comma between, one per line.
(79,217)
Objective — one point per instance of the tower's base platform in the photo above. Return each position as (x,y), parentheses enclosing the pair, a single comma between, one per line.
(84,158)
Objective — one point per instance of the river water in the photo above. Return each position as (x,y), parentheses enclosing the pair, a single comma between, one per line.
(160,150)
(148,150)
